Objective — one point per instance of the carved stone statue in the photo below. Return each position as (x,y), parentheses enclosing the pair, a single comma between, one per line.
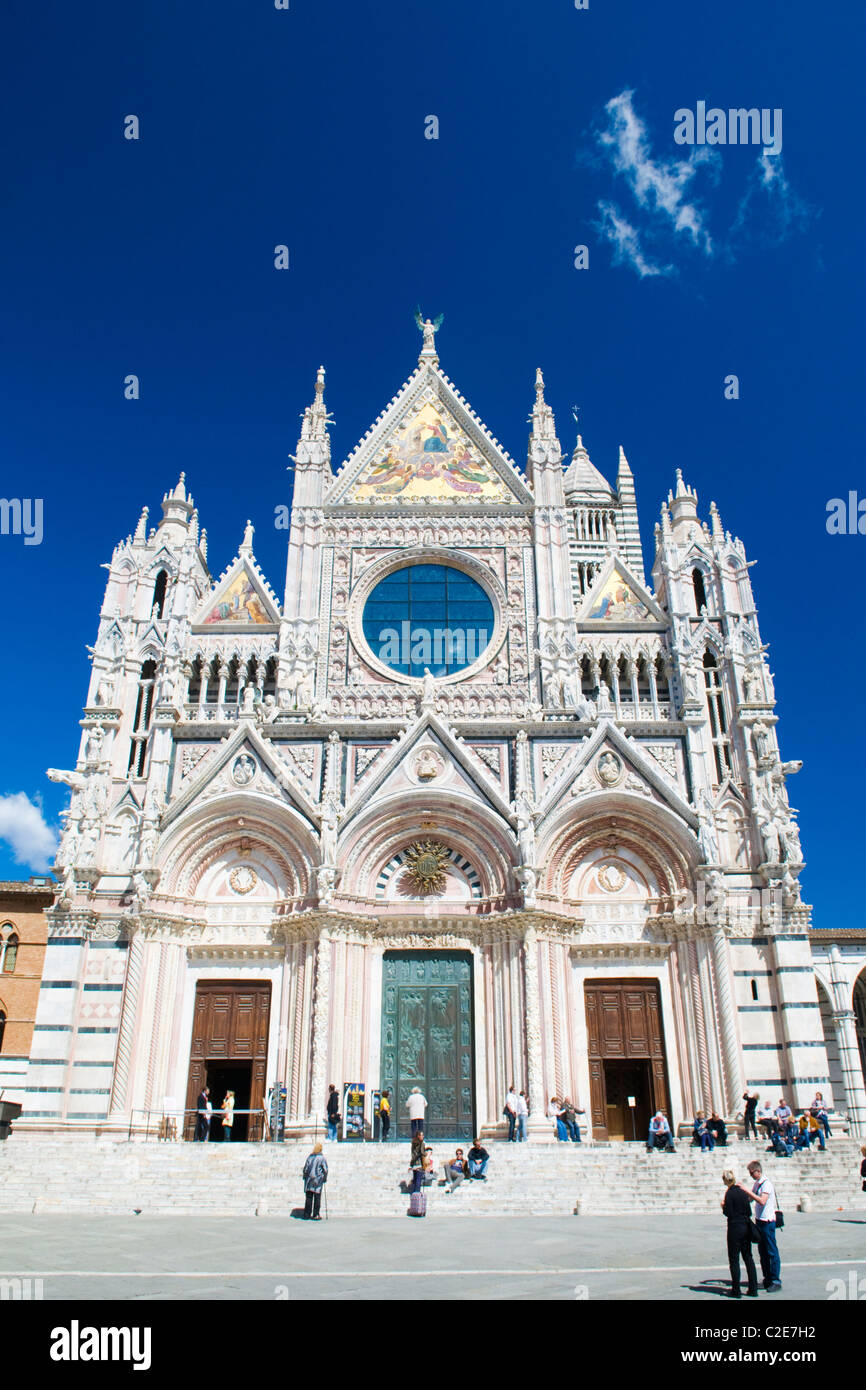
(770,837)
(105,692)
(328,832)
(753,684)
(528,880)
(326,877)
(428,690)
(790,836)
(95,740)
(707,834)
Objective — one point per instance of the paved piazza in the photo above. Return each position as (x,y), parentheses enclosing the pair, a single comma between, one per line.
(171,1258)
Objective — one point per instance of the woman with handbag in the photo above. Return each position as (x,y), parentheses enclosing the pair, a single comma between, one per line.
(737,1207)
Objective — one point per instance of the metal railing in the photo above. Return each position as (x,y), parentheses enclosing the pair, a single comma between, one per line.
(162,1124)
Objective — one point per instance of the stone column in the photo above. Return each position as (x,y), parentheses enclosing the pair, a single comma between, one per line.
(126,1031)
(321,1021)
(734,1080)
(538,1126)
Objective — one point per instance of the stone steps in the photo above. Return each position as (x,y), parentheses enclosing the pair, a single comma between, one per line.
(113,1178)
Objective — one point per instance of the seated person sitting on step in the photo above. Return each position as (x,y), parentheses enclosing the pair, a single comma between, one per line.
(718,1128)
(702,1135)
(659,1136)
(455,1171)
(429,1166)
(478,1159)
(767,1119)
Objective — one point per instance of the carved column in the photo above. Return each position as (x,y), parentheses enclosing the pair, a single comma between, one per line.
(321,1010)
(730,1047)
(534,1063)
(126,1032)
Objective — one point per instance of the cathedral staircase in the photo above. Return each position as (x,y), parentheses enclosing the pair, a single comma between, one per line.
(102,1176)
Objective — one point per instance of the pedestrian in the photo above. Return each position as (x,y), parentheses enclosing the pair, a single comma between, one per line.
(456,1171)
(510,1112)
(204,1116)
(749,1114)
(737,1207)
(702,1135)
(315,1176)
(385,1114)
(228,1114)
(763,1194)
(416,1105)
(417,1159)
(478,1159)
(522,1117)
(332,1111)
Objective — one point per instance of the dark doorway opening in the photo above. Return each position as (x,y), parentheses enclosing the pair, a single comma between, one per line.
(621,1081)
(237,1077)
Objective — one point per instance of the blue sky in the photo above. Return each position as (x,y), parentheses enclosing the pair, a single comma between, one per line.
(306,127)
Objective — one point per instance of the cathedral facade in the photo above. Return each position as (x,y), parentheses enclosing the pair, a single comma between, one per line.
(477,802)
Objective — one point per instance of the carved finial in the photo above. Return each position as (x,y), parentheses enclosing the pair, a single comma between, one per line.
(141,528)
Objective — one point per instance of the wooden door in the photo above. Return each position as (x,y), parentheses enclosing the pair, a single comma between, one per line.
(230,1024)
(624,1023)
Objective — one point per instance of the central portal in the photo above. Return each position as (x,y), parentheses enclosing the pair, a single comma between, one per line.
(428,1039)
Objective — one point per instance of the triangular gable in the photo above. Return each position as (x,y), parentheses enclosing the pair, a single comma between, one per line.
(245,739)
(607,737)
(428,446)
(126,801)
(428,723)
(239,601)
(617,599)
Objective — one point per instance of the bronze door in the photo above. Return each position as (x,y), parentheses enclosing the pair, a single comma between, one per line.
(230,1050)
(427,1040)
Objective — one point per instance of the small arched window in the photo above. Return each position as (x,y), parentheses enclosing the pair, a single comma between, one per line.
(754,989)
(159,592)
(700,591)
(8,949)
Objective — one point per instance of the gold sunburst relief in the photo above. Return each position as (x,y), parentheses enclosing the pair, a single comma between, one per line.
(425,867)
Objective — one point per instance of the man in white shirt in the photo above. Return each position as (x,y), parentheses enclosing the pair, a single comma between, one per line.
(767,1119)
(416,1105)
(763,1194)
(511,1111)
(522,1117)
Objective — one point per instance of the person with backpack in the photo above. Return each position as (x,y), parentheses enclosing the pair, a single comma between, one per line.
(315,1176)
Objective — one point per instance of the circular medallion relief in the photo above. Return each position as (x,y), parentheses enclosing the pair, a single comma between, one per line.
(243,879)
(611,878)
(608,769)
(243,770)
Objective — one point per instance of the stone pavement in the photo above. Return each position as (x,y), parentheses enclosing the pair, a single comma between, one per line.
(362,1258)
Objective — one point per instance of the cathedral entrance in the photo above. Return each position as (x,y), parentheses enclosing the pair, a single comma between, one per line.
(229,1052)
(626,1056)
(428,1040)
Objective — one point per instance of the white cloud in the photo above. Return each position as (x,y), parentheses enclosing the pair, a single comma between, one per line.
(626,242)
(659,186)
(23,827)
(769,209)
